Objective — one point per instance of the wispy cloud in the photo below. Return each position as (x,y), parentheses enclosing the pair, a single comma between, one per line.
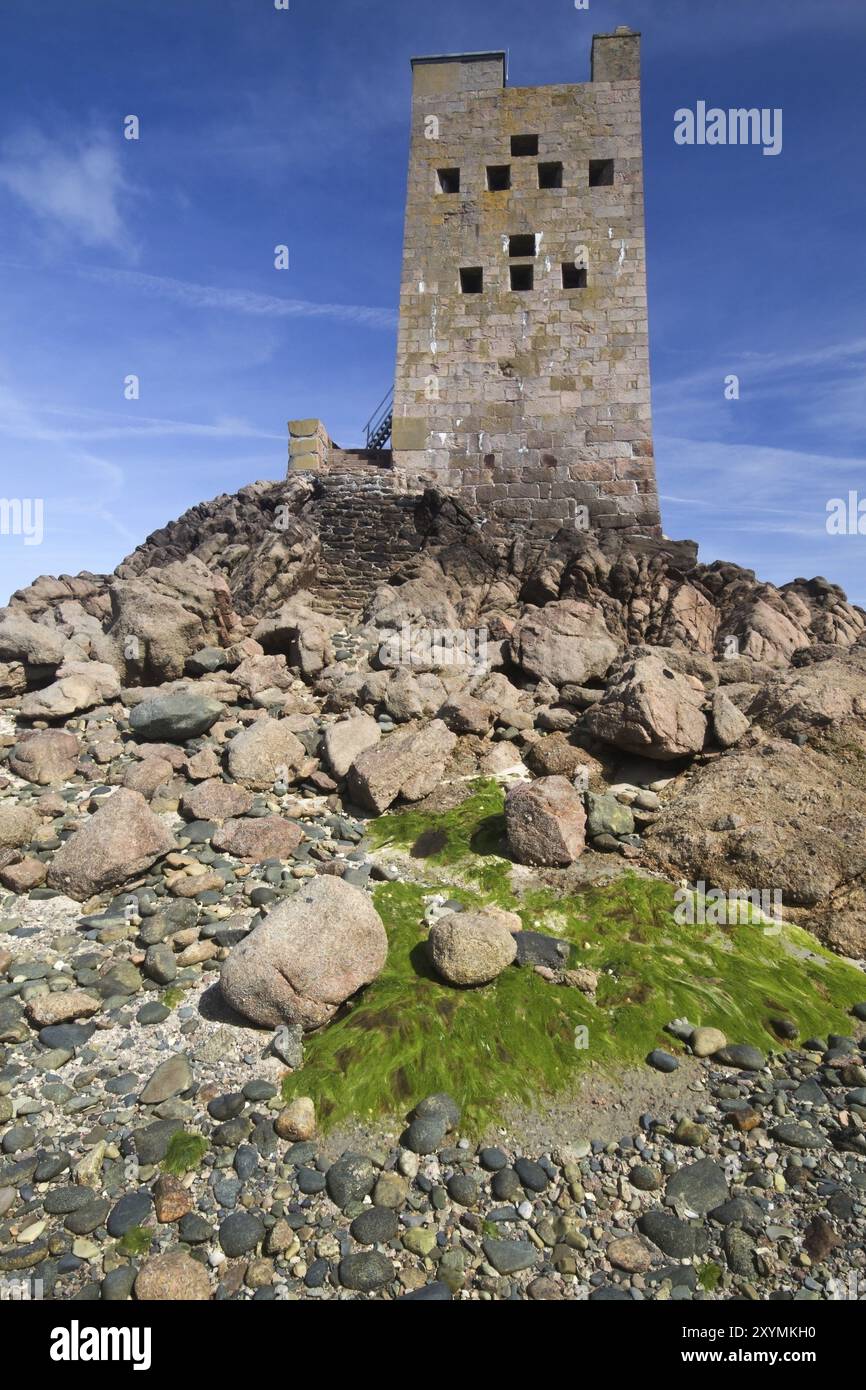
(19,420)
(112,425)
(75,189)
(237,301)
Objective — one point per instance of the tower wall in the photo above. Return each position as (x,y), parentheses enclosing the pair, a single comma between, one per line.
(534,402)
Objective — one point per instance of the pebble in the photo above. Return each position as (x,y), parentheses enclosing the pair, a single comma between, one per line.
(240,1233)
(662,1061)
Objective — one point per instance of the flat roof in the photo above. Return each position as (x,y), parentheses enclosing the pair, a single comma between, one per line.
(500,53)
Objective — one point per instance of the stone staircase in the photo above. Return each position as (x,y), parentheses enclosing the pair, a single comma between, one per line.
(366,526)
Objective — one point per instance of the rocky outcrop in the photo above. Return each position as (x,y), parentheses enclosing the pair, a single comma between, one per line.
(256,540)
(818,698)
(772,818)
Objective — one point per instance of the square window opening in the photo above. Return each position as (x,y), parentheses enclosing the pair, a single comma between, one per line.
(600,173)
(522,277)
(498,177)
(523,245)
(448,180)
(522,145)
(471,280)
(573,276)
(550,175)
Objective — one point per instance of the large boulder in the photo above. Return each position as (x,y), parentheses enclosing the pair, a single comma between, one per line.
(300,634)
(311,953)
(566,643)
(45,758)
(174,1277)
(257,838)
(13,678)
(406,695)
(174,718)
(215,800)
(651,710)
(472,948)
(79,686)
(464,714)
(545,821)
(119,841)
(729,722)
(38,648)
(263,675)
(265,753)
(408,764)
(348,739)
(165,614)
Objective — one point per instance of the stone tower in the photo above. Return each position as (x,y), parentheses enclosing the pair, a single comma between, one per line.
(522,376)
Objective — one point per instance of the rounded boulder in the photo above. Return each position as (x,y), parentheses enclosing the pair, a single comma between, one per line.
(311,953)
(472,948)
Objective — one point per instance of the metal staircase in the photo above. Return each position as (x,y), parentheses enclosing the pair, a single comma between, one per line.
(378,427)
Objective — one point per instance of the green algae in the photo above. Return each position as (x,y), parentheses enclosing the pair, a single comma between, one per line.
(709,1276)
(520,1038)
(136,1241)
(185,1151)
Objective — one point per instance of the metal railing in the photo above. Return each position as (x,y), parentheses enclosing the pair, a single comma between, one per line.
(378,428)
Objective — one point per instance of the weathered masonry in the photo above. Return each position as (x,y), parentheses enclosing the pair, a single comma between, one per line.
(522,376)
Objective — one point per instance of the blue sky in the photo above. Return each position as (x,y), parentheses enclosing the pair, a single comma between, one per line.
(261,126)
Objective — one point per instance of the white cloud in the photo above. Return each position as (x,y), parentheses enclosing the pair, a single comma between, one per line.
(76,189)
(104,424)
(197,296)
